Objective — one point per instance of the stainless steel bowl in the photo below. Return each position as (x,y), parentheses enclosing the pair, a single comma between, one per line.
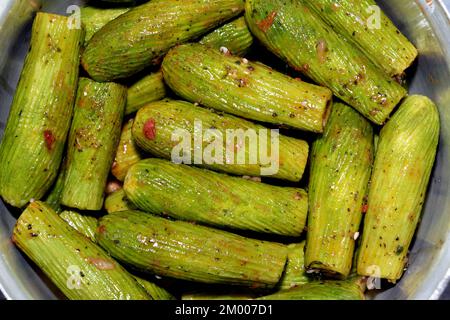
(425,22)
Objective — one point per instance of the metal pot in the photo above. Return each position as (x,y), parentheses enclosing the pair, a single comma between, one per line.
(425,22)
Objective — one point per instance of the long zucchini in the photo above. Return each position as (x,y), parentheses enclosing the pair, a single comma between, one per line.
(143,35)
(297,35)
(39,120)
(93,139)
(193,194)
(185,251)
(340,170)
(404,159)
(250,90)
(85,225)
(184,132)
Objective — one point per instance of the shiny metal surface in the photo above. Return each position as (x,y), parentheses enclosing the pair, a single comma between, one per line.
(426,23)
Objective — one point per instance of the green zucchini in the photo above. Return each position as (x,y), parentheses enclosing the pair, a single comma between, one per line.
(93,18)
(148,89)
(403,163)
(194,194)
(185,251)
(127,153)
(384,44)
(155,291)
(295,273)
(159,125)
(118,201)
(250,90)
(93,139)
(142,36)
(85,225)
(53,197)
(39,120)
(321,290)
(341,163)
(77,266)
(297,35)
(234,36)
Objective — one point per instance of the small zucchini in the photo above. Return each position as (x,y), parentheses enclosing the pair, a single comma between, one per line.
(118,201)
(148,89)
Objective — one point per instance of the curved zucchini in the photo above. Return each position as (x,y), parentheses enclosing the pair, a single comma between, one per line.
(148,89)
(118,201)
(295,273)
(193,194)
(127,153)
(77,266)
(159,125)
(234,36)
(340,170)
(93,139)
(85,225)
(385,45)
(405,156)
(39,120)
(323,290)
(250,90)
(297,35)
(189,252)
(93,18)
(143,35)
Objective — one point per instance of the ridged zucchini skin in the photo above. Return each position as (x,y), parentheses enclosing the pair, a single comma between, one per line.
(341,164)
(185,251)
(234,36)
(143,35)
(403,163)
(39,120)
(93,18)
(246,89)
(148,89)
(53,197)
(155,291)
(386,46)
(323,290)
(170,115)
(85,225)
(118,201)
(295,272)
(162,187)
(127,153)
(77,266)
(93,139)
(297,35)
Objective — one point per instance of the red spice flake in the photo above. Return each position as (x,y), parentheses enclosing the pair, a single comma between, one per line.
(101,229)
(150,129)
(101,264)
(49,139)
(265,24)
(364,208)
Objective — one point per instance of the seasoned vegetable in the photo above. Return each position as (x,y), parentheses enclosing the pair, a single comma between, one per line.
(324,290)
(118,201)
(93,19)
(384,44)
(250,90)
(148,89)
(185,251)
(405,156)
(53,197)
(297,35)
(39,120)
(143,35)
(77,266)
(93,139)
(162,187)
(158,127)
(155,291)
(340,170)
(233,36)
(85,225)
(295,274)
(127,153)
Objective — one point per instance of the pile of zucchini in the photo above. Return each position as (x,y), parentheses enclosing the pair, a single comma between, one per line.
(107,214)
